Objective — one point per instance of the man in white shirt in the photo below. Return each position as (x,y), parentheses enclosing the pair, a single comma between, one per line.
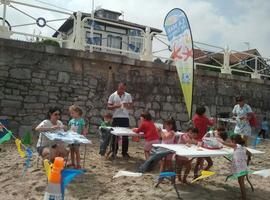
(120,102)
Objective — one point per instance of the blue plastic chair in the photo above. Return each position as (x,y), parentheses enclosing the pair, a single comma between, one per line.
(171,177)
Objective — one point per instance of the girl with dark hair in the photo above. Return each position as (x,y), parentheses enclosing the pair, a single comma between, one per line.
(201,122)
(187,138)
(149,129)
(168,137)
(45,148)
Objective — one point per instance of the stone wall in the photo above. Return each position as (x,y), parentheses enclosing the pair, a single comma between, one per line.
(35,77)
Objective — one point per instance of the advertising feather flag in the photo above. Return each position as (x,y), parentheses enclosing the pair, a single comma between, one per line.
(179,35)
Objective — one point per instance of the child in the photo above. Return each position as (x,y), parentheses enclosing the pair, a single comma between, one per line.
(264,128)
(167,136)
(105,134)
(187,138)
(201,122)
(239,162)
(76,124)
(149,129)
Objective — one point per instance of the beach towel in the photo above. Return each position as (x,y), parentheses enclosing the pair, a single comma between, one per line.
(105,139)
(156,155)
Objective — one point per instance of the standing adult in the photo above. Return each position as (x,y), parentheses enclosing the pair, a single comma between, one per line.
(242,113)
(120,102)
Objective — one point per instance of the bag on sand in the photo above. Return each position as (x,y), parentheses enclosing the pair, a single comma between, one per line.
(210,142)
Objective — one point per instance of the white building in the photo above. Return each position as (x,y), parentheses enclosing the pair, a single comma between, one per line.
(107,31)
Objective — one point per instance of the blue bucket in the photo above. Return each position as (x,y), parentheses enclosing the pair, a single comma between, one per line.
(5,123)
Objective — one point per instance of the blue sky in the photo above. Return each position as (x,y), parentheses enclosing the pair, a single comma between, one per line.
(219,22)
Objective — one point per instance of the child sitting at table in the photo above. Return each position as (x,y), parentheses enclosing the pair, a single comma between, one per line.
(78,125)
(183,162)
(239,166)
(149,129)
(105,134)
(168,137)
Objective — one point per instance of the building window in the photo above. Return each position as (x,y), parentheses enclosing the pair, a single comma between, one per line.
(114,42)
(97,26)
(96,40)
(116,30)
(135,44)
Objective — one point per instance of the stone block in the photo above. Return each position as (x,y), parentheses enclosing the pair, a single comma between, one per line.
(153,113)
(93,82)
(39,75)
(53,96)
(156,106)
(168,107)
(52,78)
(36,80)
(63,77)
(11,104)
(46,82)
(30,99)
(14,97)
(33,105)
(4,73)
(164,115)
(43,99)
(9,111)
(19,73)
(138,112)
(52,89)
(15,92)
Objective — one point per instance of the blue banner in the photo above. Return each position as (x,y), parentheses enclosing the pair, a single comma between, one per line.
(179,35)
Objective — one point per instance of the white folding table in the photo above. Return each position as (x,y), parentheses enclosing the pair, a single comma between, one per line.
(69,137)
(193,151)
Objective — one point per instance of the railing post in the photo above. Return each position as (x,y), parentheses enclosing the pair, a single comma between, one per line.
(4,30)
(255,74)
(226,69)
(78,32)
(147,53)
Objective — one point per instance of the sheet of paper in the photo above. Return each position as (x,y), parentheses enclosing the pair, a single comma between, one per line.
(68,137)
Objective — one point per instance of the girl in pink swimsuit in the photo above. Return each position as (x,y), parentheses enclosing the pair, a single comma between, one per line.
(168,137)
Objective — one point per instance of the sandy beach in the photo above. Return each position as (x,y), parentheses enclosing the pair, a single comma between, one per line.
(97,182)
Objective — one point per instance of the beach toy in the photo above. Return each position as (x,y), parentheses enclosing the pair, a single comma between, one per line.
(53,191)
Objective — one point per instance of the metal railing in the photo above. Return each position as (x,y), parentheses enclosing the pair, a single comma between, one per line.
(220,59)
(8,30)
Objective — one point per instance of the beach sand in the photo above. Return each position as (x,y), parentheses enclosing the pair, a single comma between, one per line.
(97,182)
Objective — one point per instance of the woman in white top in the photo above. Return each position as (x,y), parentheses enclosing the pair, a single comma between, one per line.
(45,147)
(242,113)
